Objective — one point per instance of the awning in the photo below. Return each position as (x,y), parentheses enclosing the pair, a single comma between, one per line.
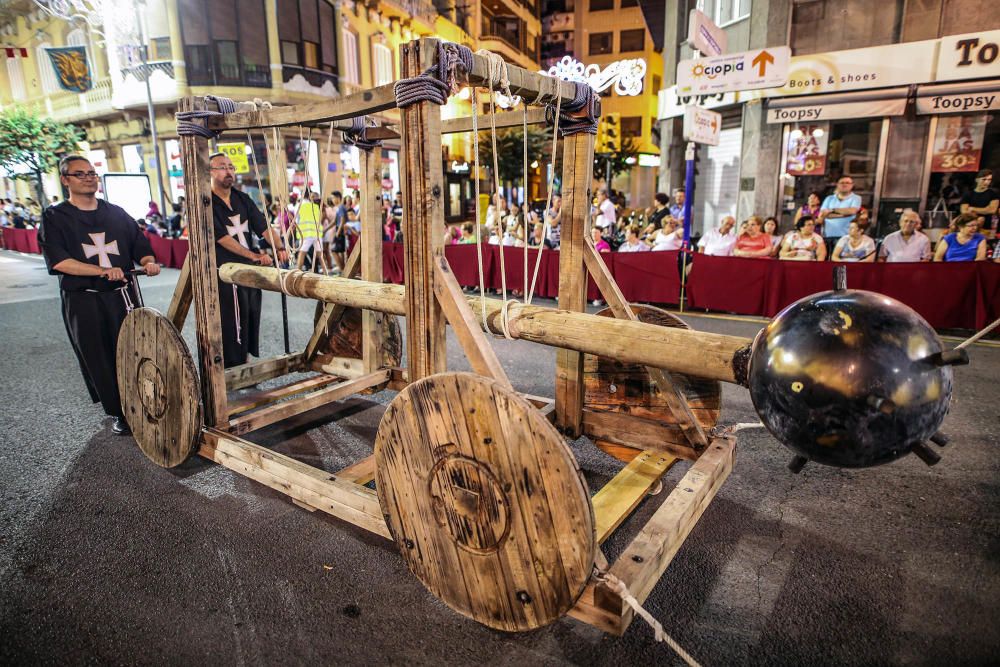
(837,106)
(963,97)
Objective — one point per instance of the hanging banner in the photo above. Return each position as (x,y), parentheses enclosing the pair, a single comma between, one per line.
(807,143)
(237,152)
(71,68)
(958,143)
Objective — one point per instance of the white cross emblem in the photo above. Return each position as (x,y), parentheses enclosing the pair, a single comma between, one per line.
(100,249)
(236,229)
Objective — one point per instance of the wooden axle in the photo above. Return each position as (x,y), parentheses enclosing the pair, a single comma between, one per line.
(698,353)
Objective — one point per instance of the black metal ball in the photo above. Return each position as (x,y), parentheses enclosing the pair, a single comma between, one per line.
(849,378)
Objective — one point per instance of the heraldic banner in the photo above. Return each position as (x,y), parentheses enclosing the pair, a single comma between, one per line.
(71,67)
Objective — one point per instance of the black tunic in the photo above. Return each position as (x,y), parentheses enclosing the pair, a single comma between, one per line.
(239,306)
(94,308)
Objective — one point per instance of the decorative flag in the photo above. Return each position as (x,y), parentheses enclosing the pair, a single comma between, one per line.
(71,67)
(15,51)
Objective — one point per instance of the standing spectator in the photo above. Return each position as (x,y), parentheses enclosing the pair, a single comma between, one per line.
(553,216)
(804,244)
(771,229)
(599,243)
(719,241)
(677,208)
(811,207)
(660,209)
(907,244)
(632,241)
(605,218)
(984,201)
(839,209)
(307,222)
(855,246)
(670,237)
(965,244)
(754,243)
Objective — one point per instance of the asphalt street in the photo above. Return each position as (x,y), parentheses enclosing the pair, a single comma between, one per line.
(106,558)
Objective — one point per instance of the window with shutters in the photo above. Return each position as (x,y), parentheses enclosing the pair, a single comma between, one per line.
(351,71)
(222,45)
(382,57)
(16,77)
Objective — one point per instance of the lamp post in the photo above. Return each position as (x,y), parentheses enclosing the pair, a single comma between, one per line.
(144,51)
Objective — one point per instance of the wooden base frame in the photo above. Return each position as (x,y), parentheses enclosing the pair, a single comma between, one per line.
(431,301)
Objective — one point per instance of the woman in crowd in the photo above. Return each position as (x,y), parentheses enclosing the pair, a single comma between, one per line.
(599,243)
(804,244)
(965,244)
(537,237)
(753,242)
(810,208)
(856,246)
(771,229)
(670,236)
(632,241)
(468,233)
(496,213)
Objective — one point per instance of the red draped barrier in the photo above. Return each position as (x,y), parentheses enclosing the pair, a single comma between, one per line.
(179,252)
(162,249)
(21,240)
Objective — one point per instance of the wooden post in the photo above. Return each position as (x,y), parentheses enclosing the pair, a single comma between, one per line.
(204,279)
(180,303)
(423,230)
(578,167)
(371,253)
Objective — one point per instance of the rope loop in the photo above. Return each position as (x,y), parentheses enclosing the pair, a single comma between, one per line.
(193,123)
(504,316)
(358,134)
(438,81)
(585,99)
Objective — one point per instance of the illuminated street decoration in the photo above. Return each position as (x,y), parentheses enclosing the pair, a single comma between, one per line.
(625,75)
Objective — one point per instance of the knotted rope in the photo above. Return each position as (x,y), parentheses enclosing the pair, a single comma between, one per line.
(584,100)
(438,81)
(192,123)
(357,135)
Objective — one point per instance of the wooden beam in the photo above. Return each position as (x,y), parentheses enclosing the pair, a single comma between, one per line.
(470,336)
(333,311)
(578,167)
(424,206)
(275,413)
(618,498)
(204,280)
(625,429)
(279,393)
(342,367)
(343,499)
(370,252)
(505,119)
(675,400)
(260,370)
(180,302)
(361,472)
(362,103)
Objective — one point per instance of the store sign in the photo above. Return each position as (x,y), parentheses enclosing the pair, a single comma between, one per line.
(807,145)
(749,70)
(971,56)
(238,154)
(858,69)
(705,36)
(702,126)
(460,167)
(847,110)
(936,104)
(672,105)
(958,143)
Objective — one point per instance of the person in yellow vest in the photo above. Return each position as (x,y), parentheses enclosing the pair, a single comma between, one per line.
(307,221)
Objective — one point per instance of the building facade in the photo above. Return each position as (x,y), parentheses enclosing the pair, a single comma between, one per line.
(901,96)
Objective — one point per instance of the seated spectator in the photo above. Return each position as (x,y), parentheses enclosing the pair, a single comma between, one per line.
(965,244)
(512,234)
(632,241)
(804,244)
(599,243)
(670,237)
(754,242)
(468,233)
(661,209)
(907,244)
(771,229)
(719,241)
(855,246)
(537,237)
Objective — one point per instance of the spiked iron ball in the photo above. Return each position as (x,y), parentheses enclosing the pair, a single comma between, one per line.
(851,378)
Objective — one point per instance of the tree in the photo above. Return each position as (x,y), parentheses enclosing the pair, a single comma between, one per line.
(510,152)
(31,145)
(619,160)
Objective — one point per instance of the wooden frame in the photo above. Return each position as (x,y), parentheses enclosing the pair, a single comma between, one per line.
(431,300)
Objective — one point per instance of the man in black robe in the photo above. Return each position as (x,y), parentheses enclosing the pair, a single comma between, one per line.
(237,221)
(90,243)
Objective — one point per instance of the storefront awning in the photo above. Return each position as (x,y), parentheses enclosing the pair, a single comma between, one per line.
(965,97)
(838,106)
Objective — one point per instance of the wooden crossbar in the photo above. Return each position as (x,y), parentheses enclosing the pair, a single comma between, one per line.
(505,119)
(618,498)
(361,472)
(280,393)
(356,104)
(260,370)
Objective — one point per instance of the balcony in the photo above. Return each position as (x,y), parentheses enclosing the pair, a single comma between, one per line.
(94,103)
(420,10)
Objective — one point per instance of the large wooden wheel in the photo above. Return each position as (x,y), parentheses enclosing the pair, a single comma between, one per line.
(485,501)
(345,332)
(161,394)
(613,386)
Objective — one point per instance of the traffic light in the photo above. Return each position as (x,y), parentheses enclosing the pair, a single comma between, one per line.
(613,132)
(601,140)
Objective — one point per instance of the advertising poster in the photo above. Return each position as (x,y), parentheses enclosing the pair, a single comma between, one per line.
(958,143)
(807,147)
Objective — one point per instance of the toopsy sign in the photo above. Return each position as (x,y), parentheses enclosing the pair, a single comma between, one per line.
(813,112)
(958,103)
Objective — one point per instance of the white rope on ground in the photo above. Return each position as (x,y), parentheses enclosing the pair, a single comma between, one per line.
(619,587)
(982,332)
(546,228)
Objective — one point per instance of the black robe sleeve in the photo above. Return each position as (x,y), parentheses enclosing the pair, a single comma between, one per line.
(52,242)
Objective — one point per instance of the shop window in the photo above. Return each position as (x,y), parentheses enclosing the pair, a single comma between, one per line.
(957,141)
(600,43)
(632,40)
(631,127)
(382,56)
(351,72)
(601,5)
(819,26)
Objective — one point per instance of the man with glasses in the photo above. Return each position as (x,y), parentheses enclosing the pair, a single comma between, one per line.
(237,221)
(906,245)
(90,243)
(839,209)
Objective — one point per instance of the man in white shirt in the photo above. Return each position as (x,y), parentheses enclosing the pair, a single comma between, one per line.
(719,241)
(839,209)
(906,245)
(605,210)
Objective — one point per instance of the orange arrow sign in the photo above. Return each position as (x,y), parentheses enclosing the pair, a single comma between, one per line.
(761,62)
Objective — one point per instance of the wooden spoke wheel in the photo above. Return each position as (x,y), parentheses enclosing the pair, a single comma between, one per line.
(161,394)
(345,336)
(613,386)
(485,501)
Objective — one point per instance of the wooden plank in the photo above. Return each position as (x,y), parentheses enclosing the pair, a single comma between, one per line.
(676,401)
(275,413)
(361,472)
(332,311)
(578,166)
(470,336)
(280,393)
(343,367)
(422,200)
(361,103)
(204,280)
(343,499)
(180,302)
(618,498)
(371,254)
(505,119)
(260,370)
(637,432)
